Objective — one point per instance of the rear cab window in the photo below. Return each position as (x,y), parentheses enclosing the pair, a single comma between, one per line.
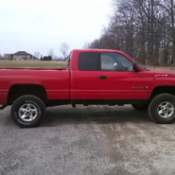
(89,61)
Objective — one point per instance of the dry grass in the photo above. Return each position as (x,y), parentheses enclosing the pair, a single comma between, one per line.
(51,64)
(33,64)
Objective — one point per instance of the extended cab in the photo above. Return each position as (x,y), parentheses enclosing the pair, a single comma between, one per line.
(108,77)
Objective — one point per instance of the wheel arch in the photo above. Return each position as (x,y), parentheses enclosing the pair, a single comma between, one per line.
(17,90)
(163,89)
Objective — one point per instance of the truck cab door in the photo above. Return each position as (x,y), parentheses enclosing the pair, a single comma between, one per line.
(107,76)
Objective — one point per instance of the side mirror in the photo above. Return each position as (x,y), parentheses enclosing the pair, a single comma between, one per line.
(136,68)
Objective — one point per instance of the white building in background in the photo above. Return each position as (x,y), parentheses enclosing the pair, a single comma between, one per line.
(20,56)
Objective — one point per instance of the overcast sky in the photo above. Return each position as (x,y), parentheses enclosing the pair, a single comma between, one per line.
(42,25)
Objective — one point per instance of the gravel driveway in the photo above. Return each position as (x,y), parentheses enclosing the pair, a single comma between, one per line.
(88,141)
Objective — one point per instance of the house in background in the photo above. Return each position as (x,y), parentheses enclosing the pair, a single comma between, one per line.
(20,56)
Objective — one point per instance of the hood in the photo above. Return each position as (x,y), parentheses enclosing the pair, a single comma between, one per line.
(162,72)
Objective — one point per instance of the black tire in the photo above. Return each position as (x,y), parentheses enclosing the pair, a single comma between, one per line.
(155,108)
(28,107)
(140,107)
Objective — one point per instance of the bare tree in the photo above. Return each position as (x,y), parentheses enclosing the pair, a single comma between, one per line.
(143,28)
(64,49)
(168,7)
(51,53)
(37,55)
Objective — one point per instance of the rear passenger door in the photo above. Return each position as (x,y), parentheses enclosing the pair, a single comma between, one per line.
(85,81)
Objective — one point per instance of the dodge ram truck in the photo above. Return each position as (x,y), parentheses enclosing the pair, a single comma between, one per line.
(93,76)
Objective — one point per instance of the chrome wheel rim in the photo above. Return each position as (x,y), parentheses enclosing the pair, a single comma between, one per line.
(28,112)
(166,110)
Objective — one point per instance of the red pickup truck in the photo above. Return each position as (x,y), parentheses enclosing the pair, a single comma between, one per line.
(108,77)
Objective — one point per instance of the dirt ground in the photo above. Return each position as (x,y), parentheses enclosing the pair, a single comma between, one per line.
(88,141)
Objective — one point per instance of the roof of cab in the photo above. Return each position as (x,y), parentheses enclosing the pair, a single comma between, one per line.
(96,50)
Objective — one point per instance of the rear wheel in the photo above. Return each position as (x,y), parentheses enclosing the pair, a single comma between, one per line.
(28,111)
(162,109)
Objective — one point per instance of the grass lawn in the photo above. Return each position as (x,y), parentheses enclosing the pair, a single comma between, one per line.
(51,64)
(33,64)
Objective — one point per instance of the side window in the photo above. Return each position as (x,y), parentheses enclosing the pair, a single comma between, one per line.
(115,62)
(89,61)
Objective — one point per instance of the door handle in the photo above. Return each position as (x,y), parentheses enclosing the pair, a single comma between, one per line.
(103,77)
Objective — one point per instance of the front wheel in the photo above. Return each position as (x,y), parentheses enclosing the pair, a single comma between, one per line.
(27,111)
(162,109)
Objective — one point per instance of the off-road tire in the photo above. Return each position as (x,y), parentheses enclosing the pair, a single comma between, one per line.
(153,108)
(39,108)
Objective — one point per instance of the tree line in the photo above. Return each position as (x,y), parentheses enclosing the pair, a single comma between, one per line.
(143,28)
